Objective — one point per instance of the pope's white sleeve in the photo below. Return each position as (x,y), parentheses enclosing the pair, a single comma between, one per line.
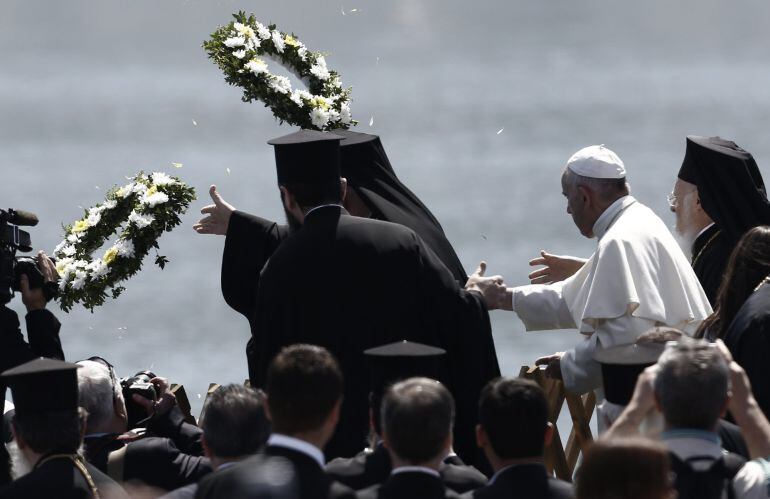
(580,372)
(541,306)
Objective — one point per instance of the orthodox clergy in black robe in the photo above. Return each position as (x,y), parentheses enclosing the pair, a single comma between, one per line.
(733,195)
(251,240)
(748,338)
(348,284)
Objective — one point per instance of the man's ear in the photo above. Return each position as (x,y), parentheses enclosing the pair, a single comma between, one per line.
(289,201)
(548,435)
(343,188)
(585,194)
(481,436)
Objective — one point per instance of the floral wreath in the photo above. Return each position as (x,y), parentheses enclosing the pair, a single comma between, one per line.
(150,204)
(236,48)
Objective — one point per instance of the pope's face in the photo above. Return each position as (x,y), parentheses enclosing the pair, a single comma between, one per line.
(576,206)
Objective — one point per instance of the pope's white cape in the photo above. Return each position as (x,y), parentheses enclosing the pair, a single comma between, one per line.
(637,278)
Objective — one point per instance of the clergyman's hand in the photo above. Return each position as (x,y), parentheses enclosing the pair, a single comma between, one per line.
(552,364)
(491,288)
(218,215)
(557,267)
(34,299)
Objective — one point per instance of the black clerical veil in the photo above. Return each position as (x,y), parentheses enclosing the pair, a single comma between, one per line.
(367,168)
(729,184)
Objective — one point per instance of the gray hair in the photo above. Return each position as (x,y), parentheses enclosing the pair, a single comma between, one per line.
(692,384)
(606,188)
(97,391)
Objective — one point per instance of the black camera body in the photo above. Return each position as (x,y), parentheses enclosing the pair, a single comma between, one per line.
(138,384)
(13,239)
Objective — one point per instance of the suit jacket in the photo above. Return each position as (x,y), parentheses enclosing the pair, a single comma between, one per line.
(169,461)
(348,284)
(524,481)
(369,468)
(408,485)
(60,479)
(710,253)
(310,479)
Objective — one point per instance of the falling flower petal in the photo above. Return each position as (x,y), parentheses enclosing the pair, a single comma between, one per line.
(228,171)
(342,9)
(195,123)
(500,131)
(177,165)
(371,121)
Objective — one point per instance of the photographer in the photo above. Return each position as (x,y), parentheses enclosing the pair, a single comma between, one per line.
(170,458)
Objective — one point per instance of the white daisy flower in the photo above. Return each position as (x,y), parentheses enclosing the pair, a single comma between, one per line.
(125,248)
(278,42)
(141,221)
(262,32)
(98,268)
(235,41)
(244,31)
(320,71)
(160,178)
(319,117)
(240,54)
(125,190)
(302,52)
(154,199)
(110,204)
(93,218)
(256,66)
(73,238)
(68,250)
(280,84)
(345,116)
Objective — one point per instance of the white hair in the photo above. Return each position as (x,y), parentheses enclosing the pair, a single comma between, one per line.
(604,187)
(97,391)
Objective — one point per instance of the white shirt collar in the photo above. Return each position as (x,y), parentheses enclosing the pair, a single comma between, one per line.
(311,210)
(604,222)
(415,469)
(687,443)
(298,445)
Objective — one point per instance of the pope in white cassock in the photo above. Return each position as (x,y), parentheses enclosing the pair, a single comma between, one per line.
(637,278)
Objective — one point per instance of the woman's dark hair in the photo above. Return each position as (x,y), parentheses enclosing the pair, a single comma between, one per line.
(748,265)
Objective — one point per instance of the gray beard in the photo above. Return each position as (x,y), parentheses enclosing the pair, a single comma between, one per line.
(685,242)
(19,464)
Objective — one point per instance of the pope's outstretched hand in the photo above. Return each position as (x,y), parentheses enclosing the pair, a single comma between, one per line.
(217,217)
(557,267)
(491,288)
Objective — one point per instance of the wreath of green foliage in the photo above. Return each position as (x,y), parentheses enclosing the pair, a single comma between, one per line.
(149,206)
(236,48)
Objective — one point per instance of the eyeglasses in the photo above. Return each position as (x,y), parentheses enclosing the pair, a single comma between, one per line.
(674,198)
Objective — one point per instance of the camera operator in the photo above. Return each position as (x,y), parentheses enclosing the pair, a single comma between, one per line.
(42,333)
(172,457)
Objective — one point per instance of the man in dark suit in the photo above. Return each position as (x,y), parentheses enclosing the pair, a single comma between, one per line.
(389,364)
(513,431)
(304,395)
(47,430)
(417,417)
(170,458)
(348,283)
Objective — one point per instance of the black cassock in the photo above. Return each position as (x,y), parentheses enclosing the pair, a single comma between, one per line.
(710,253)
(349,284)
(748,338)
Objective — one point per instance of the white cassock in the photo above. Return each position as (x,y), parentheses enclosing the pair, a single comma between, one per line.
(637,278)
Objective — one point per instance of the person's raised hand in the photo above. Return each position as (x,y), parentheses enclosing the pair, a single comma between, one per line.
(217,217)
(35,299)
(557,267)
(491,288)
(552,364)
(165,402)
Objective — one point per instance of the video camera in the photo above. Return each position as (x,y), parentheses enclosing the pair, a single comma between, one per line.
(13,239)
(138,384)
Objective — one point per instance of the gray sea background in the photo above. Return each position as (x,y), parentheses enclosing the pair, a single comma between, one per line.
(478,104)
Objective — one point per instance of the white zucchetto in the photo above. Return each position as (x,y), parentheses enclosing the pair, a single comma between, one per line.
(597,162)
